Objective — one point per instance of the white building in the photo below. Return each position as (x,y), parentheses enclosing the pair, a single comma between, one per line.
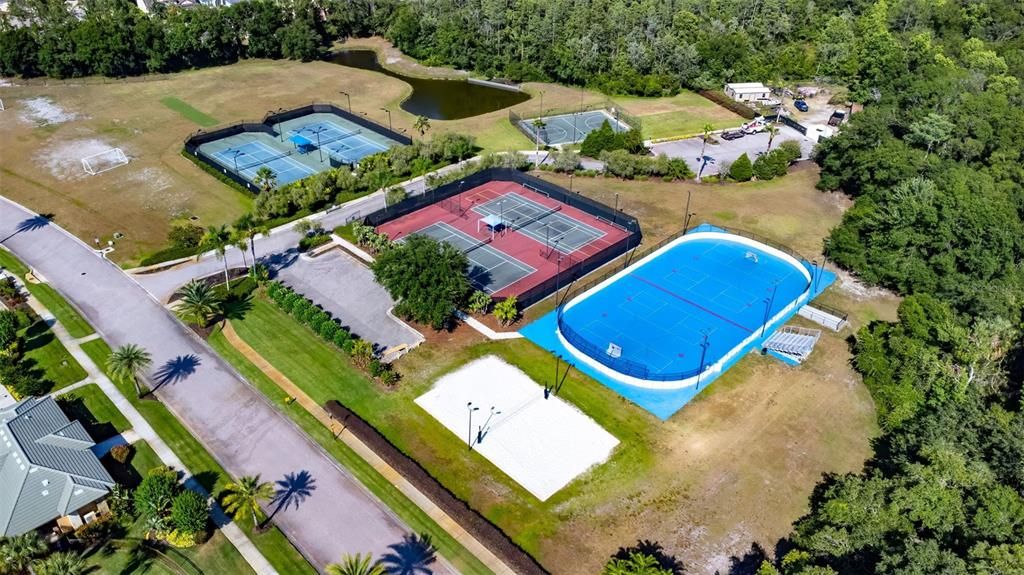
(748,91)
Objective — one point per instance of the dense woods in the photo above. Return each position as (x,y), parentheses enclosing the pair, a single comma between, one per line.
(934,163)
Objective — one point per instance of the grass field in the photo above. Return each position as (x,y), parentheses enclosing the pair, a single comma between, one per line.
(188,112)
(47,129)
(51,356)
(89,405)
(272,543)
(733,468)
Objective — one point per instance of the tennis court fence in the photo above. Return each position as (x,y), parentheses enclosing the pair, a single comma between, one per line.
(572,268)
(526,127)
(268,126)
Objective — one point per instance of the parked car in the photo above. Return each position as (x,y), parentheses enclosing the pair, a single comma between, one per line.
(837,118)
(801,105)
(732,135)
(755,126)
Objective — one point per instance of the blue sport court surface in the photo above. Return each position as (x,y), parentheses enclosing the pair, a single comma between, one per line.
(252,156)
(571,128)
(662,329)
(345,146)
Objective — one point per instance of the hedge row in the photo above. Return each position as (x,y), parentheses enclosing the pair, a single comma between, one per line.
(728,103)
(303,309)
(217,174)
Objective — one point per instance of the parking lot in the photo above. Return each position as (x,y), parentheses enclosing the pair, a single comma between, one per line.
(725,152)
(346,288)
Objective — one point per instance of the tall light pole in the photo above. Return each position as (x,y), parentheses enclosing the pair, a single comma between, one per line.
(389,118)
(234,157)
(689,196)
(768,310)
(469,436)
(348,98)
(703,353)
(319,150)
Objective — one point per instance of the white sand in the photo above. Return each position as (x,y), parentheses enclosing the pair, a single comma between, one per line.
(42,111)
(63,158)
(541,444)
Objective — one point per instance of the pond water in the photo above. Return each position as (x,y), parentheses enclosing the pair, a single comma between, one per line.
(436,99)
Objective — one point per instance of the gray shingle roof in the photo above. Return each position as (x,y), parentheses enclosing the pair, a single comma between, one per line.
(46,467)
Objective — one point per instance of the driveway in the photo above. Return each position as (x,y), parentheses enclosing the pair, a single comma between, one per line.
(726,151)
(345,287)
(323,510)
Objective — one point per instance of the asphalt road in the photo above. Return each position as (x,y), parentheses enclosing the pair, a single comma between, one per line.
(327,512)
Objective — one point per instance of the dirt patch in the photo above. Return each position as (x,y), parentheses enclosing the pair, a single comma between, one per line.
(63,158)
(43,111)
(859,290)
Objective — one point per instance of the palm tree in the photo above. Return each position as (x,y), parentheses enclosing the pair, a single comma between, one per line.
(356,565)
(249,226)
(421,125)
(243,498)
(61,563)
(17,553)
(199,303)
(772,130)
(707,132)
(129,362)
(636,564)
(265,179)
(218,239)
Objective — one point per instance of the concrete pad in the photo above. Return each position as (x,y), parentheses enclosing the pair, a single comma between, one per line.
(543,444)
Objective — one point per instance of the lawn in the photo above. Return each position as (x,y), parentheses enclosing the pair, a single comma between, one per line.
(188,112)
(733,468)
(684,114)
(89,405)
(50,355)
(272,543)
(337,369)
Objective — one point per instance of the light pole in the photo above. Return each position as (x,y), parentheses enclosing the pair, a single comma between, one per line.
(481,431)
(234,157)
(389,118)
(689,196)
(703,352)
(469,436)
(686,223)
(570,183)
(319,150)
(768,310)
(347,98)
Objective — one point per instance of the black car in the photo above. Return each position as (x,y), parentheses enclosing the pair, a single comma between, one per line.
(732,135)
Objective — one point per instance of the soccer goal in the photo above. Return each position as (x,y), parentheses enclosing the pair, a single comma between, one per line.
(104,161)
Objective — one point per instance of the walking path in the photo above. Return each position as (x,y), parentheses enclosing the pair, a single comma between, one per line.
(393,476)
(141,429)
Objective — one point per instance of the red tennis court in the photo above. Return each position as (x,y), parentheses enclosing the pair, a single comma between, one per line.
(516,237)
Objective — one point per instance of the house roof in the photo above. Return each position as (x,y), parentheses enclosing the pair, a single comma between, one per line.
(46,467)
(743,85)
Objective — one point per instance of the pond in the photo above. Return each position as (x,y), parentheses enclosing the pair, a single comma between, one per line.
(436,99)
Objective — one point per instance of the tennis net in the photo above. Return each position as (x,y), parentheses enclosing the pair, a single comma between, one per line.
(262,161)
(540,216)
(478,244)
(343,136)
